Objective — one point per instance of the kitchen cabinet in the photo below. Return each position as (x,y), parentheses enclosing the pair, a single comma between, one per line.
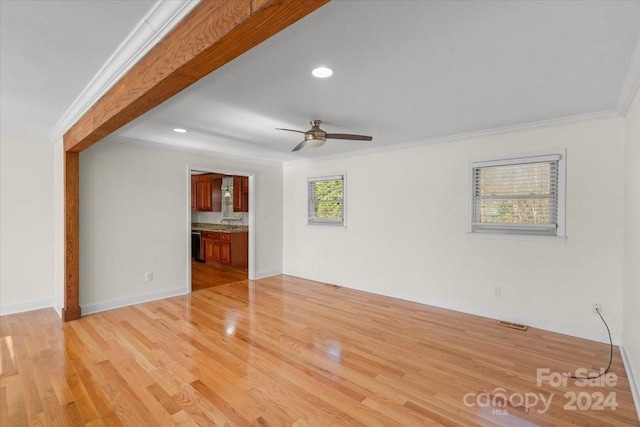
(206,193)
(216,193)
(240,194)
(194,193)
(226,248)
(209,248)
(225,253)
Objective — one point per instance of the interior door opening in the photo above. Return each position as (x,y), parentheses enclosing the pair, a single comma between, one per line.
(220,227)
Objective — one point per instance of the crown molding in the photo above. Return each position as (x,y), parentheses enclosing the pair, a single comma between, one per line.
(468,135)
(631,81)
(157,23)
(200,151)
(438,140)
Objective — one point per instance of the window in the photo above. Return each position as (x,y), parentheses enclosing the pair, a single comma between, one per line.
(326,200)
(227,197)
(519,196)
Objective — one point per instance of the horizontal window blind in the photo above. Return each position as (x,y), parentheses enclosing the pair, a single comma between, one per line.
(326,200)
(516,197)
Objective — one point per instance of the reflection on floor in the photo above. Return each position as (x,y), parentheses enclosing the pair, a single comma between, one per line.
(208,275)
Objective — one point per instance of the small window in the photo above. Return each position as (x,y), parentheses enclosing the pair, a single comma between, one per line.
(227,197)
(326,200)
(519,196)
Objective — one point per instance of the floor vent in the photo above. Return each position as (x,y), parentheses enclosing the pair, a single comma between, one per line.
(333,286)
(513,325)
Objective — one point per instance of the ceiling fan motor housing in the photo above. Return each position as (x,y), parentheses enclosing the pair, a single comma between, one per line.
(315,135)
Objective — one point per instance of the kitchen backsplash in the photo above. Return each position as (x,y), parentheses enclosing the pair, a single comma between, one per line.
(216,217)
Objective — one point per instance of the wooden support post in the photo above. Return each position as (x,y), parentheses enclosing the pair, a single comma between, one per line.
(71,309)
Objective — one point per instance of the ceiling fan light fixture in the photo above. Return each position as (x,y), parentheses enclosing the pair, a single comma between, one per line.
(316,142)
(322,72)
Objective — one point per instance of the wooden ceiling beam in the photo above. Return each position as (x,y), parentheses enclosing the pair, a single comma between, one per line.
(213,34)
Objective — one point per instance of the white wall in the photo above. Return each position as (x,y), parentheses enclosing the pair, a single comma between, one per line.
(26,226)
(631,292)
(134,213)
(58,226)
(407,213)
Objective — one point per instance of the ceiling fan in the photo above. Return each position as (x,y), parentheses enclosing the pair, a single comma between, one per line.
(316,137)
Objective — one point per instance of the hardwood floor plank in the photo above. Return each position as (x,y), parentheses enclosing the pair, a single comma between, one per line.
(8,365)
(4,406)
(38,420)
(16,410)
(83,399)
(289,351)
(127,404)
(170,405)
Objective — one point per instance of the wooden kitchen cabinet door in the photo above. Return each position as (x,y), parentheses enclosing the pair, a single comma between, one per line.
(237,194)
(216,194)
(204,190)
(216,251)
(245,194)
(240,194)
(225,252)
(208,249)
(194,193)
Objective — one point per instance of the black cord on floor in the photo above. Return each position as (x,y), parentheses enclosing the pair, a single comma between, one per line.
(610,354)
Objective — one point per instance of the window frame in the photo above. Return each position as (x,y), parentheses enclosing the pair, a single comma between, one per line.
(561,155)
(311,220)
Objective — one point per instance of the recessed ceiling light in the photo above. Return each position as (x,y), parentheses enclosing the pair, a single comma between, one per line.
(322,72)
(180,130)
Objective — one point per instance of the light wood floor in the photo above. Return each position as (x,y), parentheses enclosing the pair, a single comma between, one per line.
(286,351)
(208,275)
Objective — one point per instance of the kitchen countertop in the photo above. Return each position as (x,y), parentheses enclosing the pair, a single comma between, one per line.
(224,228)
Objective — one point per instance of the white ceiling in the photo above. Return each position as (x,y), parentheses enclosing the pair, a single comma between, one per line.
(49,52)
(404,71)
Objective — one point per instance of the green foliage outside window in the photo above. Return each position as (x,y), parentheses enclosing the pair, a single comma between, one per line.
(327,199)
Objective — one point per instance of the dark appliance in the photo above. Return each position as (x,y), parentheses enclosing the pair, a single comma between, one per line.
(196,246)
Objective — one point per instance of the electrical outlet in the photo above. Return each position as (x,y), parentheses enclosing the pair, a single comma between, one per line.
(148,277)
(497,291)
(597,306)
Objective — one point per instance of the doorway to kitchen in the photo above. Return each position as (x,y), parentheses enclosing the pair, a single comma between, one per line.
(221,227)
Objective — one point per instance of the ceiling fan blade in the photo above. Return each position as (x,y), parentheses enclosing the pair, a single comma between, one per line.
(349,136)
(299,146)
(291,130)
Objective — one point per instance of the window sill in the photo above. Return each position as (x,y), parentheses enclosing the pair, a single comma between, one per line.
(326,225)
(558,239)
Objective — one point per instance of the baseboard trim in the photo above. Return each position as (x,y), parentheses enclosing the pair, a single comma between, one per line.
(572,329)
(632,375)
(268,273)
(117,303)
(25,306)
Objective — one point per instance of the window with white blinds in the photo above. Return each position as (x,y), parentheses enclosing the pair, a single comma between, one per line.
(520,196)
(326,200)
